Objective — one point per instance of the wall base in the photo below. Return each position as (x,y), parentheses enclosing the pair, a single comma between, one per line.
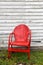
(32,48)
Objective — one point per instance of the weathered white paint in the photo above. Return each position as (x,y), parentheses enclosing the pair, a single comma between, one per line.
(15,12)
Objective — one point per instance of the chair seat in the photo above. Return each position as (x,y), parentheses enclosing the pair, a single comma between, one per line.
(20,43)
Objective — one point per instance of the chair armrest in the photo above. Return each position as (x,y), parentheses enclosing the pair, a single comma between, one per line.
(30,35)
(29,38)
(10,38)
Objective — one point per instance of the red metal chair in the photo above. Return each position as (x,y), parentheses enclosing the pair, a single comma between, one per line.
(22,38)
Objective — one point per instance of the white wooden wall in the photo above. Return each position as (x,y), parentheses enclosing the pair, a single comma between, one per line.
(14,12)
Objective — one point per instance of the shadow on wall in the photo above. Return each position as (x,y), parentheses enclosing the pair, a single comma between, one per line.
(1,41)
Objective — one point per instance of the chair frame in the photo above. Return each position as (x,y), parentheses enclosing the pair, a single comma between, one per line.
(18,50)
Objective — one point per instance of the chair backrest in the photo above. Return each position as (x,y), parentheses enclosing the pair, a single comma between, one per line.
(21,32)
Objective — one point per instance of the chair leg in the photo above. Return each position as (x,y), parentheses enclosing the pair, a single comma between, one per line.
(28,55)
(9,54)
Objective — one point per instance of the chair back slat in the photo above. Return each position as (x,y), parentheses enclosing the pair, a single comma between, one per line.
(21,32)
